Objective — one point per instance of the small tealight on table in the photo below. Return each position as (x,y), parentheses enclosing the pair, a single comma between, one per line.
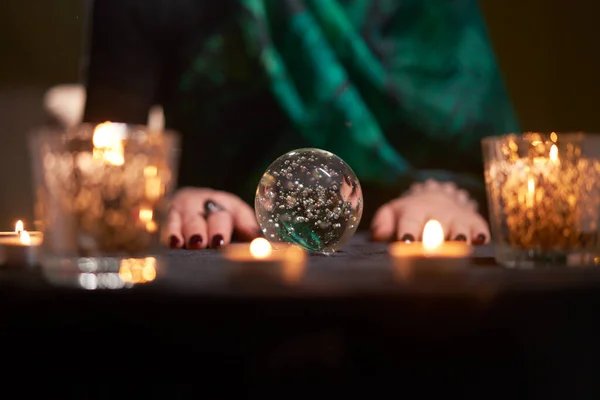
(432,257)
(19,248)
(261,261)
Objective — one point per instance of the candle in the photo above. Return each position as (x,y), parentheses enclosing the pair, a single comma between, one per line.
(433,255)
(261,261)
(102,189)
(19,247)
(543,193)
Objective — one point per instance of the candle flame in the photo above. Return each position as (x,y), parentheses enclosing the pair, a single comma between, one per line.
(530,186)
(433,235)
(108,143)
(530,196)
(146,214)
(19,226)
(260,248)
(553,137)
(553,153)
(25,238)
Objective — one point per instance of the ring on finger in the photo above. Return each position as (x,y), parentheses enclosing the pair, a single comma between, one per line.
(210,207)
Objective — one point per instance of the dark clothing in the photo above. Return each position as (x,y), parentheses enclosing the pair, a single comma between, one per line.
(395,88)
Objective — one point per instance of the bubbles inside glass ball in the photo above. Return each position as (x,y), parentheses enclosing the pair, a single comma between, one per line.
(309,197)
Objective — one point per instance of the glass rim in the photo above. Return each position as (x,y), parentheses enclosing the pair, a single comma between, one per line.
(131,130)
(563,136)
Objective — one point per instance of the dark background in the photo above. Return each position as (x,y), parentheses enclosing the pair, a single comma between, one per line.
(548,52)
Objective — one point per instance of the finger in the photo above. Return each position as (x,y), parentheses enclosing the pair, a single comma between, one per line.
(480,232)
(194,230)
(411,221)
(220,228)
(460,228)
(173,233)
(245,223)
(383,225)
(420,211)
(244,218)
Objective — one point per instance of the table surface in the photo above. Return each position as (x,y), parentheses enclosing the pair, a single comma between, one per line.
(362,267)
(348,326)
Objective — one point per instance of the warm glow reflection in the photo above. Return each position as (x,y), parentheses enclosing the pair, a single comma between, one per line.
(25,238)
(260,248)
(146,214)
(150,171)
(108,143)
(151,226)
(19,227)
(295,264)
(154,187)
(433,235)
(138,270)
(553,137)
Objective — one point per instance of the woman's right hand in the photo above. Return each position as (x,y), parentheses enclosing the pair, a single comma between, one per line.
(201,218)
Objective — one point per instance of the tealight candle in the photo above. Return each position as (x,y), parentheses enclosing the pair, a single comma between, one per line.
(262,261)
(431,256)
(19,247)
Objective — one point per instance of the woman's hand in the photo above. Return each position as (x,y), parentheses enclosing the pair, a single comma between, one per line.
(405,217)
(201,218)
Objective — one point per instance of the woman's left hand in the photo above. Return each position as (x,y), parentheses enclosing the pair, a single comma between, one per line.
(203,217)
(405,217)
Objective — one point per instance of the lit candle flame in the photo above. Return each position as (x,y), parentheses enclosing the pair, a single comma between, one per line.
(19,226)
(433,235)
(260,248)
(146,214)
(554,153)
(108,143)
(530,186)
(530,198)
(25,238)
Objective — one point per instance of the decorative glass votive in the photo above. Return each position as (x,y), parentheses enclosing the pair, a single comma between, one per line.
(101,197)
(544,198)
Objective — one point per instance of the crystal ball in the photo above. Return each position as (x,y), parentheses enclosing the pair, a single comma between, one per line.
(309,197)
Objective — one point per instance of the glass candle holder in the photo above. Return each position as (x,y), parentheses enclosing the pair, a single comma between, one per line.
(101,195)
(544,198)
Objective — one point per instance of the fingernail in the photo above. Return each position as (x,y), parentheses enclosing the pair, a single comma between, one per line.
(460,238)
(479,239)
(174,242)
(195,242)
(408,238)
(217,242)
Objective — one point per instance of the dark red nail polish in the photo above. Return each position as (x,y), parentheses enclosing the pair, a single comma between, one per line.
(479,239)
(407,238)
(195,242)
(174,242)
(460,238)
(217,242)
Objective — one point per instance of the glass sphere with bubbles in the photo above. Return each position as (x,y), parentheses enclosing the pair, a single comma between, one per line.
(309,197)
